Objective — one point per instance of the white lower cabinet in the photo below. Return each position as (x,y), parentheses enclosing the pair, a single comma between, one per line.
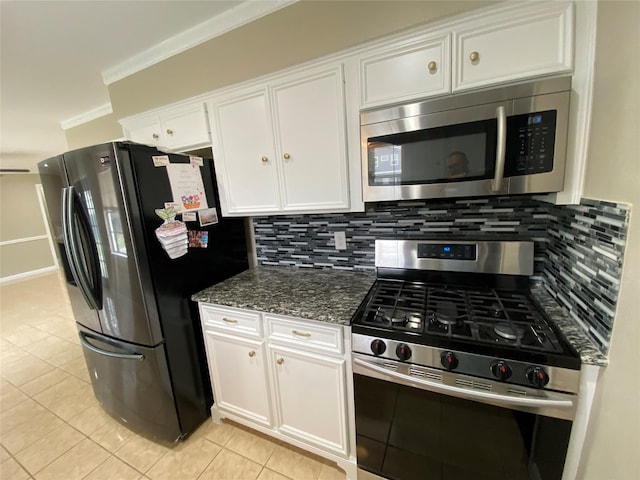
(310,397)
(238,372)
(292,382)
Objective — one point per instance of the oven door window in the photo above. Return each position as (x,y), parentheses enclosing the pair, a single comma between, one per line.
(436,155)
(405,433)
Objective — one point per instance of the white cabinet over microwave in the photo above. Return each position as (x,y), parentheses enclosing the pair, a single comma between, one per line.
(281,146)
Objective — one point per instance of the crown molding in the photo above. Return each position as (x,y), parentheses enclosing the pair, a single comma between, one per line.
(87,116)
(236,17)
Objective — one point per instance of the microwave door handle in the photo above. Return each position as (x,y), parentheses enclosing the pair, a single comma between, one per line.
(501,147)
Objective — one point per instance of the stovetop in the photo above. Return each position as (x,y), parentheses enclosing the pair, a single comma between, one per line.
(475,315)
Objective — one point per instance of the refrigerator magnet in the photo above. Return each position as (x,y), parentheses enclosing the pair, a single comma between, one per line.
(208,216)
(197,161)
(160,160)
(198,239)
(189,217)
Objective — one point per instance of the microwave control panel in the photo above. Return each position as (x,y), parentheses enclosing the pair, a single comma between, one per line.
(530,143)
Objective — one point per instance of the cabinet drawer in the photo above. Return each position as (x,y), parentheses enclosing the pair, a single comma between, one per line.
(311,335)
(231,320)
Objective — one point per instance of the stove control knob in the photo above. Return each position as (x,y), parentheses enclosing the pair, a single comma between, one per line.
(537,377)
(449,360)
(378,347)
(501,370)
(403,352)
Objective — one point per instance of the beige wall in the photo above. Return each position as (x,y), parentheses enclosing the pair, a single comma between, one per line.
(295,34)
(613,173)
(20,217)
(100,130)
(300,32)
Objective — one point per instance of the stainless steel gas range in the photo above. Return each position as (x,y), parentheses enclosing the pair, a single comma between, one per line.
(457,372)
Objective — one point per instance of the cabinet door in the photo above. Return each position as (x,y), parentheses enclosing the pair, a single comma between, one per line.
(145,131)
(406,72)
(310,397)
(309,115)
(239,376)
(538,43)
(244,154)
(185,127)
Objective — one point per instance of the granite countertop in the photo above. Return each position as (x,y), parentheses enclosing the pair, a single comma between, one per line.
(333,296)
(330,296)
(589,353)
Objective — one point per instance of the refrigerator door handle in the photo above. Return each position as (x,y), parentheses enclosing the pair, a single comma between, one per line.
(71,248)
(93,348)
(66,234)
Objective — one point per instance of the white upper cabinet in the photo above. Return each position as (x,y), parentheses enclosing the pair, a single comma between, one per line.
(177,128)
(536,41)
(245,154)
(281,147)
(406,71)
(501,44)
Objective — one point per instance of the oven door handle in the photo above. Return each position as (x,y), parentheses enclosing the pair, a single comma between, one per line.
(494,398)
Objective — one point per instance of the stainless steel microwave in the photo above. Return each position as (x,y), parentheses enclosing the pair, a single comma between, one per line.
(506,140)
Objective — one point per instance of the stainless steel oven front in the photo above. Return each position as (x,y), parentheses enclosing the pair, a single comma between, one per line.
(509,140)
(415,422)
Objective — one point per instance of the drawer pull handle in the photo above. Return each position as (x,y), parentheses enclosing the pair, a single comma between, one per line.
(280,361)
(300,334)
(252,354)
(229,320)
(474,56)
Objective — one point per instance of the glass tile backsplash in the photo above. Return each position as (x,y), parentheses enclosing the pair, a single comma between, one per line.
(578,249)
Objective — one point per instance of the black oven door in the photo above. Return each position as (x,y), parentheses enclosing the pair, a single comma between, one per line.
(404,431)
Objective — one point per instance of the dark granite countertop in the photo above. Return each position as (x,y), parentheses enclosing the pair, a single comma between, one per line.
(333,296)
(330,296)
(575,335)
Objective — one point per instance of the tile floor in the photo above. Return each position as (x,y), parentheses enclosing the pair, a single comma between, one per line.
(51,426)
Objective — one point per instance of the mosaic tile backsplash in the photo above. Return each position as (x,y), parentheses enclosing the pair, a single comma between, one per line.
(578,249)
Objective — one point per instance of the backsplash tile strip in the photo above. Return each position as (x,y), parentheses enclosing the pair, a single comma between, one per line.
(578,249)
(585,254)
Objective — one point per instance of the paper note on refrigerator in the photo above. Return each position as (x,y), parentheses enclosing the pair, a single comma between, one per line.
(187,187)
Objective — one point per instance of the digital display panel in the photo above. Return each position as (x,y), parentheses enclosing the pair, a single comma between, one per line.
(447,251)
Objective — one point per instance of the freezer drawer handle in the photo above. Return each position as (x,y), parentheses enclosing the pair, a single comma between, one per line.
(93,348)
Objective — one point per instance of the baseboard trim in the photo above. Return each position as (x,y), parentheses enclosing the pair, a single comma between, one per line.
(23,276)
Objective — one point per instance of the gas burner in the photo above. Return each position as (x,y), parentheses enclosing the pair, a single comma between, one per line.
(508,331)
(446,312)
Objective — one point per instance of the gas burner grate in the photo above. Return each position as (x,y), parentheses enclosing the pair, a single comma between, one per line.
(477,315)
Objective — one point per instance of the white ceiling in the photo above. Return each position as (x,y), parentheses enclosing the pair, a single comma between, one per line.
(54,54)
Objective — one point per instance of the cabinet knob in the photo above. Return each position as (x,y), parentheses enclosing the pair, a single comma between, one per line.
(474,56)
(155,136)
(280,361)
(252,354)
(169,132)
(432,66)
(265,159)
(286,156)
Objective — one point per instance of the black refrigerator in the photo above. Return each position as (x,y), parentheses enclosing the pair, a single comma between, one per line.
(139,331)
